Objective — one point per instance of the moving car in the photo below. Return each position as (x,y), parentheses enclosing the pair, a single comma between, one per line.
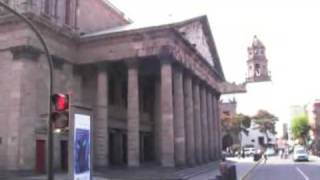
(300,154)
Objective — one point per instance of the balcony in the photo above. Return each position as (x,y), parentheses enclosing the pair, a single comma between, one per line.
(258,77)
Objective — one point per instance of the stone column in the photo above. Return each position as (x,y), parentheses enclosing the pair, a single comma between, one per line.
(211,126)
(197,123)
(179,124)
(204,124)
(133,114)
(189,120)
(101,119)
(215,133)
(21,107)
(157,122)
(166,106)
(217,127)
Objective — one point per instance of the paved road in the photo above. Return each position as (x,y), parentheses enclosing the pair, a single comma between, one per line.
(280,169)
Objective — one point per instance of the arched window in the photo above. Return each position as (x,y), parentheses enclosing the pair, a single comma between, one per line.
(257,70)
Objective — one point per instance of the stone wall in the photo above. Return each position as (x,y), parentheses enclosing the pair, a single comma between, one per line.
(195,35)
(95,15)
(8,95)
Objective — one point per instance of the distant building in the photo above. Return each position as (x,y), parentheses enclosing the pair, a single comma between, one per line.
(297,110)
(228,109)
(257,138)
(257,62)
(313,112)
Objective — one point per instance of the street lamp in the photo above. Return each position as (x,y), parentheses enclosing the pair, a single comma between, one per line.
(46,51)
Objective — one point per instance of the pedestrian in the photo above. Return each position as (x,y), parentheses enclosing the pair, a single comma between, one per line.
(286,153)
(243,154)
(265,157)
(281,153)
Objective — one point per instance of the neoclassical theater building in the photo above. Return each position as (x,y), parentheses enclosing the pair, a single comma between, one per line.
(153,91)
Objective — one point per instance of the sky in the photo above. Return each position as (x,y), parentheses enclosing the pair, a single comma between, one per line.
(289,29)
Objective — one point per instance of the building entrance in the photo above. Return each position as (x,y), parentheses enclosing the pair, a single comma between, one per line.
(117,147)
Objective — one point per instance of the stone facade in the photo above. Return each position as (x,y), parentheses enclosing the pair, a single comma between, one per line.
(153,91)
(228,110)
(313,114)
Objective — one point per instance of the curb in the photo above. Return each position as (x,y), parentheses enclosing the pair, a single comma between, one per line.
(251,169)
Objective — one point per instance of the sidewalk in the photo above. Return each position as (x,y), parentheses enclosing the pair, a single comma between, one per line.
(209,171)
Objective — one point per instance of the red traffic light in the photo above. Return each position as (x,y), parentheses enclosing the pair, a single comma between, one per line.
(60,102)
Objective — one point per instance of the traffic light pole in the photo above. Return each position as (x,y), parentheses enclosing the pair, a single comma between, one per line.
(46,51)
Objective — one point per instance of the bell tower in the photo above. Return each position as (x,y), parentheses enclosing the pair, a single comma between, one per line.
(257,62)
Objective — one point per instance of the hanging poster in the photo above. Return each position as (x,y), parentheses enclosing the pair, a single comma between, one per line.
(81,146)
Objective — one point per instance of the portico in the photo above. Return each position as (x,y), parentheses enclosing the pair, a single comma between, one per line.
(152,91)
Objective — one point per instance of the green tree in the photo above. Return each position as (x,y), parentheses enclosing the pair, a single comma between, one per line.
(265,122)
(236,125)
(300,128)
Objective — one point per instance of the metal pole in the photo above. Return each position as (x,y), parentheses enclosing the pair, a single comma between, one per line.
(46,51)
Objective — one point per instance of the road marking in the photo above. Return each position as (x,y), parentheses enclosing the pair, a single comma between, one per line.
(251,169)
(301,172)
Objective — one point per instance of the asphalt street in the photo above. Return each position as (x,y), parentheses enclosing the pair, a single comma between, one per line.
(279,169)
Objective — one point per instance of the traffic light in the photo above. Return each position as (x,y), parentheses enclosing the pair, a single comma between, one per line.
(60,111)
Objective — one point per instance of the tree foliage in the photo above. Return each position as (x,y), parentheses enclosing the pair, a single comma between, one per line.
(266,121)
(236,124)
(300,127)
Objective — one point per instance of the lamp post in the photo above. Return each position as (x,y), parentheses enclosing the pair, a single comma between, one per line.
(46,51)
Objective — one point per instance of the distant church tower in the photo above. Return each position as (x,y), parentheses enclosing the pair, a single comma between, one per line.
(257,62)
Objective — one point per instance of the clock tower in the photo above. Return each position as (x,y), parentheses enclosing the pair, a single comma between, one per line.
(257,62)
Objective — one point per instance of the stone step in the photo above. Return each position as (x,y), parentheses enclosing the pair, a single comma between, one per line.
(191,172)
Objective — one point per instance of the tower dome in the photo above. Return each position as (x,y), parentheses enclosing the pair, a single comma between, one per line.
(256,42)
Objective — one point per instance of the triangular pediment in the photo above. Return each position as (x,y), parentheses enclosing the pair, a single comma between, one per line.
(194,33)
(198,33)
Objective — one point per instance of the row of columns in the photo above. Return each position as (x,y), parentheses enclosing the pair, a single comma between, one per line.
(187,123)
(196,122)
(101,134)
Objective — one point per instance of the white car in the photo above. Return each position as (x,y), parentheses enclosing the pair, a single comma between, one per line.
(300,154)
(249,151)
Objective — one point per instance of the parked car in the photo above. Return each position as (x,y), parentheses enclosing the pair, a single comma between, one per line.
(300,154)
(249,151)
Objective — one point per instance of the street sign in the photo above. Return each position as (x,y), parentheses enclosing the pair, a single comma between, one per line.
(81,148)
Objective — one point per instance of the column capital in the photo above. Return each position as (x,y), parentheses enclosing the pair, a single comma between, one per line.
(166,53)
(27,52)
(132,63)
(178,67)
(103,66)
(166,61)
